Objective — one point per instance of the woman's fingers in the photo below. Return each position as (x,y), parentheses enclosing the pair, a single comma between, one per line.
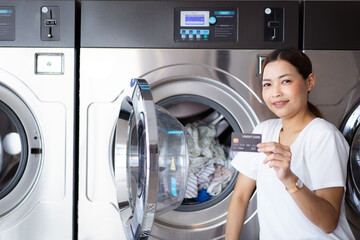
(276,157)
(273,147)
(277,160)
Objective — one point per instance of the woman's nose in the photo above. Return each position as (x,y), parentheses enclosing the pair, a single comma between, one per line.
(276,91)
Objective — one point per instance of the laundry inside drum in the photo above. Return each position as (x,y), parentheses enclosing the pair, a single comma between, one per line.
(209,126)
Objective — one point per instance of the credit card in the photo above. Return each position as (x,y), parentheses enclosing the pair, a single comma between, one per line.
(244,142)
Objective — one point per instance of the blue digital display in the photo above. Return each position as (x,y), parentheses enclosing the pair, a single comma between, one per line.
(7,11)
(194,20)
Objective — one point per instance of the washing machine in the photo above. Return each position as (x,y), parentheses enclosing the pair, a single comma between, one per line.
(334,49)
(37,119)
(199,61)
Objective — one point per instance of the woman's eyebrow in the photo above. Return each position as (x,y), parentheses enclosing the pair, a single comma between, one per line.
(281,76)
(285,75)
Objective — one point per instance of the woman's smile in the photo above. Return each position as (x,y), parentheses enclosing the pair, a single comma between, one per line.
(280,104)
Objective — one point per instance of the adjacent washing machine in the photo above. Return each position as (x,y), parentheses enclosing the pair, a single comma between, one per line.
(333,46)
(199,61)
(37,123)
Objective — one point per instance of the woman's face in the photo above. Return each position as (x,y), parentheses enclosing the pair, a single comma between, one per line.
(285,91)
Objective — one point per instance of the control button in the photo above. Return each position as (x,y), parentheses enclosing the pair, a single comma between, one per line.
(206,36)
(183,36)
(205,32)
(212,20)
(191,36)
(198,36)
(267,11)
(44,9)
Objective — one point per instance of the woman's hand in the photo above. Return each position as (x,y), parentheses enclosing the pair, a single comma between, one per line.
(278,157)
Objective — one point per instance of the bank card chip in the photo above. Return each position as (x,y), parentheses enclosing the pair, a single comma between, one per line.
(244,142)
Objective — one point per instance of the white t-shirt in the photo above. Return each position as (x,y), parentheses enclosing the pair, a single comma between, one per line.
(319,159)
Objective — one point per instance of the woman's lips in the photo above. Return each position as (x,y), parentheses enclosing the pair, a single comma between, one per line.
(279,104)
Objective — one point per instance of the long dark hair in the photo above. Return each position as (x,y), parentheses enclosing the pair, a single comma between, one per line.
(302,64)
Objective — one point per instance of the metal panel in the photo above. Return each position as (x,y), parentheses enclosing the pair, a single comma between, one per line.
(150,24)
(28,23)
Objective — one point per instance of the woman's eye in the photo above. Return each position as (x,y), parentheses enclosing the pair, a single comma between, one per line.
(286,81)
(266,85)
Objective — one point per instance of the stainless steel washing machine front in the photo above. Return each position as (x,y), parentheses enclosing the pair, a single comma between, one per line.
(37,123)
(210,81)
(334,50)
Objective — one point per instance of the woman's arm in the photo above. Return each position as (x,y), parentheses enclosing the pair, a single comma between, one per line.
(243,190)
(321,207)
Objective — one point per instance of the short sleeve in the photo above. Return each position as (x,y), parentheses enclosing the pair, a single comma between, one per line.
(328,159)
(248,163)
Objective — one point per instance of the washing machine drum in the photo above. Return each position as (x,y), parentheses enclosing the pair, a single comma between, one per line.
(353,184)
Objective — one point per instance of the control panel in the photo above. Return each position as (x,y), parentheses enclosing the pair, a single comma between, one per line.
(30,23)
(7,23)
(205,25)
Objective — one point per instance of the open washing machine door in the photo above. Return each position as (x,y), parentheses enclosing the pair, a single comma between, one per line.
(150,161)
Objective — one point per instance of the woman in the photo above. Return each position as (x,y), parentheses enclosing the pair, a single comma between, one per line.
(300,168)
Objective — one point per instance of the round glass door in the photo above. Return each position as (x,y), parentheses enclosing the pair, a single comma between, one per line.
(13,150)
(151,151)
